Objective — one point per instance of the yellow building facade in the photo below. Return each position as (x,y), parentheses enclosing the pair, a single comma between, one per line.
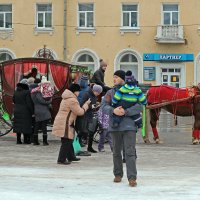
(157,40)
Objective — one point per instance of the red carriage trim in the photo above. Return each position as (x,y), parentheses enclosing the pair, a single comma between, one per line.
(165,93)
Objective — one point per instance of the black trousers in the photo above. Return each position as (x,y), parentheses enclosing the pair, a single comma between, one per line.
(42,125)
(66,150)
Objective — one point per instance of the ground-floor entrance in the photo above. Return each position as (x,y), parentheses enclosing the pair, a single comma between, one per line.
(171,74)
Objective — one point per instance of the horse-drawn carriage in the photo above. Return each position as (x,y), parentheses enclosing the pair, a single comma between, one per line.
(61,74)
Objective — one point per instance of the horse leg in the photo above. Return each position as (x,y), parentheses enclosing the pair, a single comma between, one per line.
(196,130)
(147,124)
(153,121)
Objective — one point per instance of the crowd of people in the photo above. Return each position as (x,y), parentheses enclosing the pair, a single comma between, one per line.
(117,116)
(32,99)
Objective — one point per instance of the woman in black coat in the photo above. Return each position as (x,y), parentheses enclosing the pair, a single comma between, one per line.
(23,111)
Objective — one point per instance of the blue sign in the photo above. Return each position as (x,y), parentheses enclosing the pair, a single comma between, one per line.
(168,57)
(149,73)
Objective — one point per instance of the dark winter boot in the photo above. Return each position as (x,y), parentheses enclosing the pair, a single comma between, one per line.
(19,138)
(90,141)
(27,139)
(45,143)
(35,140)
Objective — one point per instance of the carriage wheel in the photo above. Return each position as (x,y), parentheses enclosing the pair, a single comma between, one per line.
(5,126)
(97,136)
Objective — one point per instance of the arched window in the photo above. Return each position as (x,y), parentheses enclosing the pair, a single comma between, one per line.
(86,60)
(86,57)
(129,62)
(6,55)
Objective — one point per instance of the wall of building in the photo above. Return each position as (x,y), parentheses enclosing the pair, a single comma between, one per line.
(25,40)
(107,41)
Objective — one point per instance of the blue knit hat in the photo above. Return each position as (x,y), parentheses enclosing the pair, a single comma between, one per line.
(129,77)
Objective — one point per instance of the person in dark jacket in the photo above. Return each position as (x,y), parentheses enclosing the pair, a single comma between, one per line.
(80,124)
(33,73)
(23,111)
(92,95)
(33,83)
(98,77)
(84,85)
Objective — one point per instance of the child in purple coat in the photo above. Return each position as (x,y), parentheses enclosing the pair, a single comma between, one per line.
(104,123)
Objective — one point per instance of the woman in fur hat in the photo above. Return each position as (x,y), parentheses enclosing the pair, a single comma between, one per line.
(42,98)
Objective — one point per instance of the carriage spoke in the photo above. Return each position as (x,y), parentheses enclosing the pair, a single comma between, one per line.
(5,126)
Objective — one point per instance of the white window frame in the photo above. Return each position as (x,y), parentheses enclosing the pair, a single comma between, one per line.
(4,16)
(85,28)
(85,13)
(8,51)
(87,63)
(129,28)
(129,12)
(81,52)
(139,57)
(171,12)
(44,13)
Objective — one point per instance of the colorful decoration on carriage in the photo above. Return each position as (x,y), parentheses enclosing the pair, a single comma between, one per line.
(77,71)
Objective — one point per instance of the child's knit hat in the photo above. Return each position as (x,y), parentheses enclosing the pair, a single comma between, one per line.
(129,78)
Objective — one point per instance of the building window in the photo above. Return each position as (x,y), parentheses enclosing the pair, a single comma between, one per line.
(5,56)
(87,60)
(85,15)
(44,16)
(129,62)
(170,14)
(129,16)
(5,16)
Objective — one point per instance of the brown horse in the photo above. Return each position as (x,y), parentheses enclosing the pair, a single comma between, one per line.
(178,101)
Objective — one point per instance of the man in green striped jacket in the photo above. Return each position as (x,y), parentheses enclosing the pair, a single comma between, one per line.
(128,95)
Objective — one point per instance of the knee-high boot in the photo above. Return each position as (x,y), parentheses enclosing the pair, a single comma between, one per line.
(45,143)
(35,139)
(90,142)
(19,138)
(27,139)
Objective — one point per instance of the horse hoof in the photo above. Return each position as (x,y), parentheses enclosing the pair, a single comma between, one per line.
(147,141)
(158,141)
(195,141)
